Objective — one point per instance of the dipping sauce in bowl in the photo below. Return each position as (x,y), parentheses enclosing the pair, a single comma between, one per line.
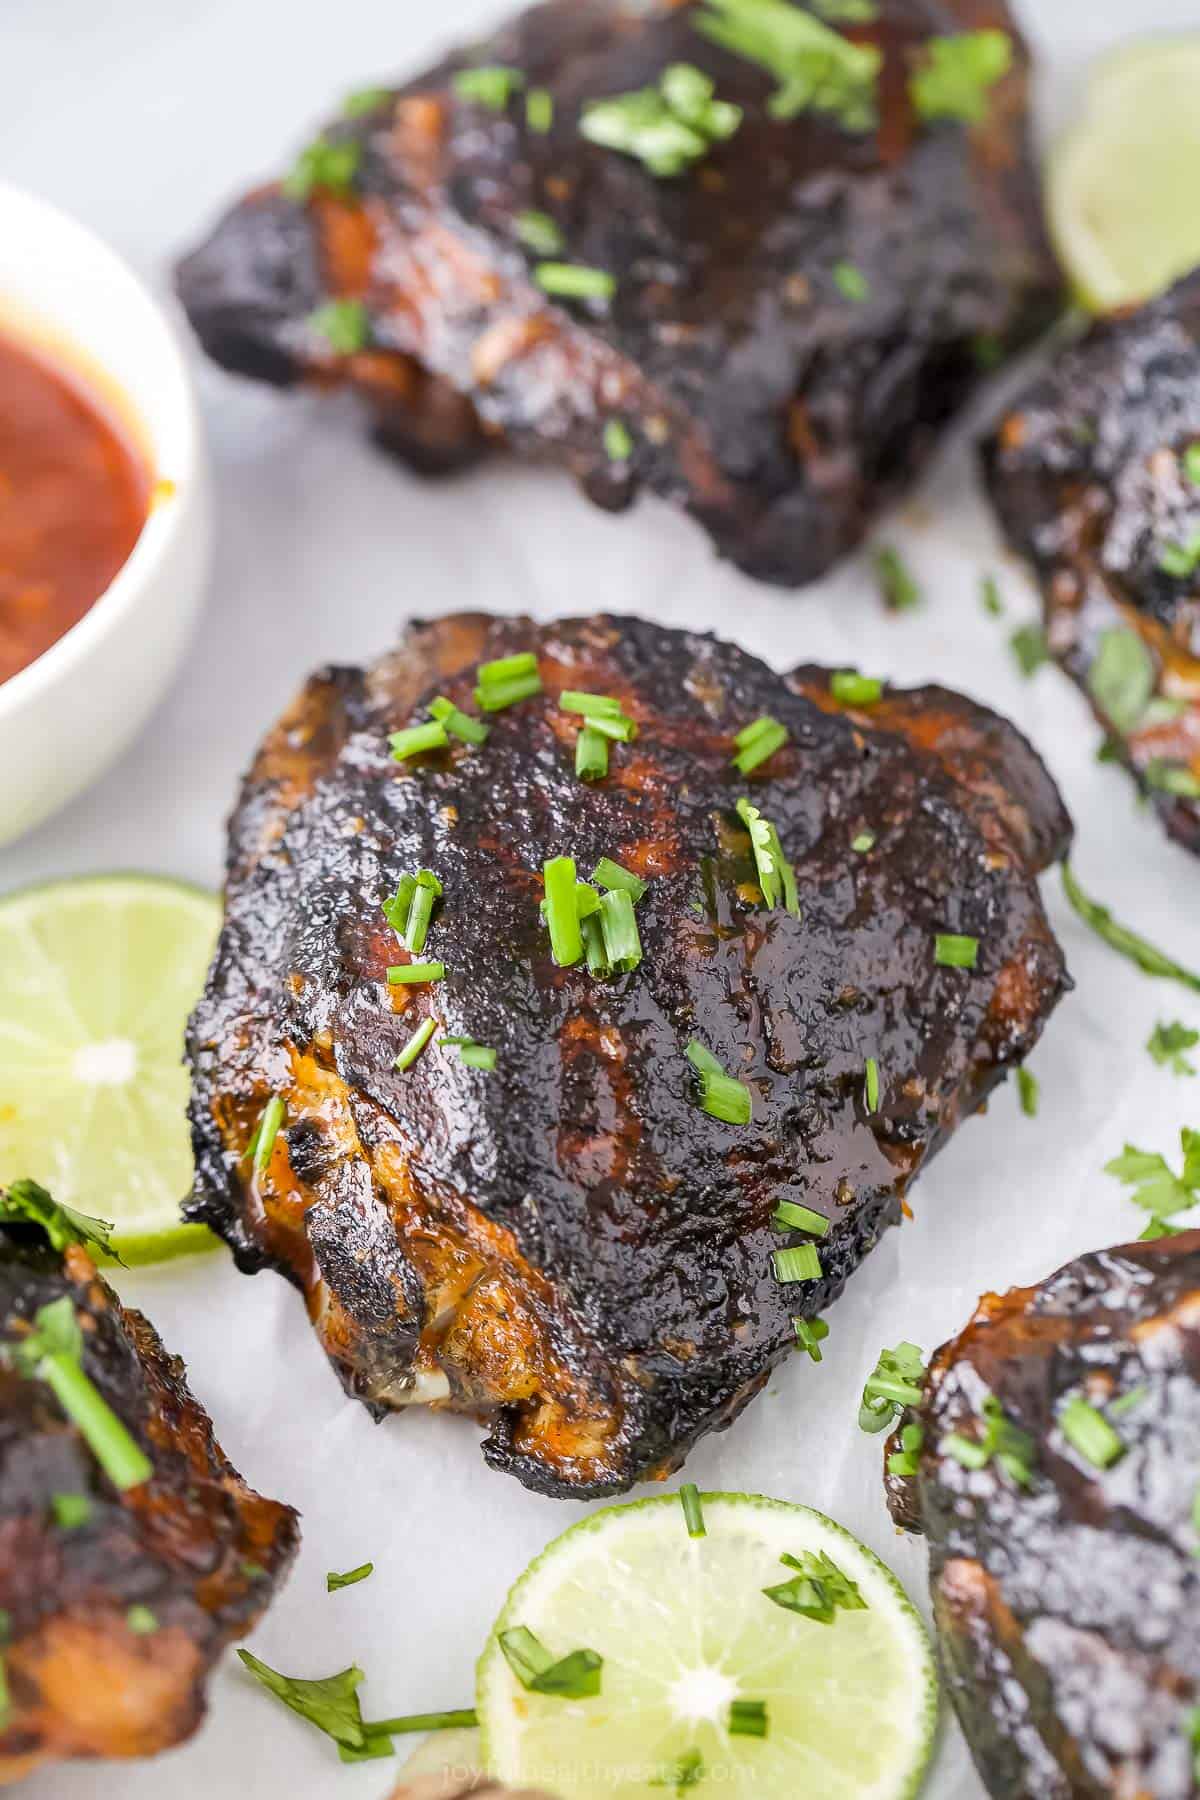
(74,493)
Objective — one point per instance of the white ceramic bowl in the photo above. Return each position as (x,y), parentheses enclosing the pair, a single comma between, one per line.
(71,713)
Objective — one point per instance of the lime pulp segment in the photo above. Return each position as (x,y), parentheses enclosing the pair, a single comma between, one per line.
(97,977)
(684,1629)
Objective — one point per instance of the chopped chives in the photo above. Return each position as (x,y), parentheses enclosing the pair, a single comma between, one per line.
(410,908)
(964,1450)
(1126,1402)
(141,1621)
(810,1335)
(610,874)
(689,1499)
(70,1510)
(622,941)
(593,945)
(458,723)
(538,232)
(896,1381)
(415,1044)
(334,1582)
(323,164)
(897,585)
(273,1115)
(1027,1088)
(539,110)
(591,755)
(590,705)
(621,729)
(776,877)
(871,1084)
(507,679)
(478,1056)
(418,738)
(758,741)
(406,974)
(791,1217)
(618,441)
(863,842)
(720,1095)
(802,1263)
(492,85)
(53,1352)
(952,950)
(853,689)
(748,1718)
(562,911)
(850,282)
(1089,1432)
(574,281)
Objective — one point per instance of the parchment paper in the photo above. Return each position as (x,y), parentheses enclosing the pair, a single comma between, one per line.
(142,119)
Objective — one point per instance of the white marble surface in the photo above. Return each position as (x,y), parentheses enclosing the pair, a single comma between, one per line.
(142,118)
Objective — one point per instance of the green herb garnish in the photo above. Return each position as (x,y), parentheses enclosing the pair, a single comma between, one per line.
(788,1216)
(955,950)
(591,754)
(344,324)
(990,599)
(747,1718)
(52,1351)
(1156,1187)
(1119,937)
(1181,560)
(1191,463)
(850,688)
(539,110)
(957,75)
(350,1579)
(687,1773)
(415,1045)
(896,1381)
(1028,644)
(610,874)
(847,12)
(693,1512)
(410,974)
(26,1202)
(863,842)
(1121,678)
(1027,1092)
(141,1621)
(896,584)
(538,232)
(364,100)
(668,127)
(323,164)
(267,1130)
(410,910)
(721,1095)
(562,911)
(818,1590)
(776,877)
(1002,1441)
(817,70)
(575,1676)
(458,723)
(801,1263)
(1089,1432)
(70,1511)
(416,739)
(757,741)
(1167,1044)
(810,1335)
(618,441)
(1172,778)
(907,1460)
(331,1703)
(502,683)
(850,282)
(475,1056)
(492,85)
(871,1084)
(574,281)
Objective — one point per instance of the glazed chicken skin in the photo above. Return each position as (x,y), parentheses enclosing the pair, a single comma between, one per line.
(116,1604)
(1095,474)
(1065,1597)
(795,315)
(569,1245)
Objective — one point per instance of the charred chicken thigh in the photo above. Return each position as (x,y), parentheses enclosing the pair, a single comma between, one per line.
(131,1552)
(1095,473)
(837,953)
(735,254)
(1057,1484)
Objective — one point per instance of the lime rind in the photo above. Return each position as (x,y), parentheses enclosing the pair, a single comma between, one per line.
(825,1712)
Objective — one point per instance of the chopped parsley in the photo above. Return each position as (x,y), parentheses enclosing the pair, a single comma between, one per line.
(538,232)
(1119,937)
(667,128)
(574,281)
(758,741)
(1028,1092)
(957,74)
(850,688)
(575,1676)
(1029,647)
(352,1576)
(818,1590)
(816,69)
(896,584)
(1156,1187)
(1000,1441)
(850,282)
(26,1202)
(955,950)
(896,1381)
(1167,1044)
(323,164)
(721,1095)
(618,441)
(776,877)
(1122,678)
(1089,1432)
(492,85)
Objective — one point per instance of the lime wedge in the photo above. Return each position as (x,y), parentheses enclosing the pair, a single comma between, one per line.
(685,1630)
(97,977)
(1120,197)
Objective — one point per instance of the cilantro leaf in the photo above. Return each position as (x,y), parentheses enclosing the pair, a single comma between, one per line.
(1155,1185)
(330,1703)
(1122,678)
(28,1203)
(954,80)
(1168,1042)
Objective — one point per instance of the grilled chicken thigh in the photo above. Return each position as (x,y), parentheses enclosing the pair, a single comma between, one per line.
(1063,1571)
(116,1601)
(794,312)
(569,1244)
(1095,473)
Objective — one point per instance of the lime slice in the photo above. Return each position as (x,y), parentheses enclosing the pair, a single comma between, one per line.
(97,977)
(1120,199)
(685,1630)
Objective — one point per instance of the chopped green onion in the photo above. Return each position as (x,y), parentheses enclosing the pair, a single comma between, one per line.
(539,110)
(897,1381)
(1027,1089)
(620,729)
(574,281)
(668,127)
(323,164)
(593,946)
(410,909)
(478,1056)
(1140,950)
(802,1263)
(622,940)
(418,738)
(850,688)
(720,1095)
(1089,1432)
(1011,1447)
(817,69)
(52,1352)
(415,1044)
(1181,560)
(562,911)
(610,874)
(790,1217)
(896,584)
(407,974)
(906,1460)
(263,1141)
(538,232)
(492,85)
(70,1510)
(141,1621)
(1171,778)
(506,680)
(871,1084)
(748,1718)
(591,755)
(592,706)
(458,723)
(850,282)
(693,1512)
(810,1334)
(863,842)
(352,1576)
(776,877)
(344,324)
(506,668)
(618,441)
(954,950)
(1191,464)
(957,73)
(758,741)
(1126,1402)
(964,1450)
